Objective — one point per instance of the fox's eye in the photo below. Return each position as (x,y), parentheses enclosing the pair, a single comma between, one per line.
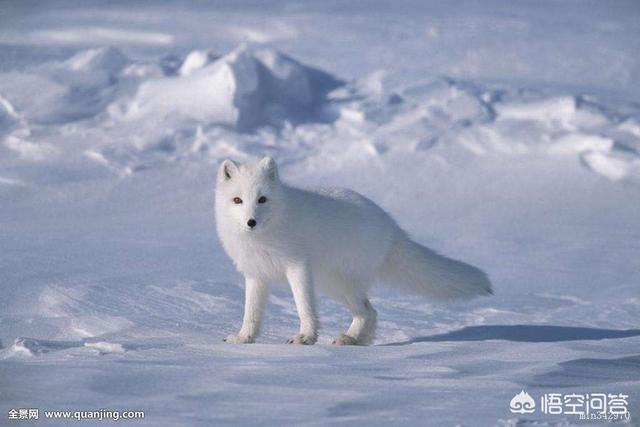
(262,199)
(237,200)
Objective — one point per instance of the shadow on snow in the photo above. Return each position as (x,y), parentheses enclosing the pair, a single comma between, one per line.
(523,333)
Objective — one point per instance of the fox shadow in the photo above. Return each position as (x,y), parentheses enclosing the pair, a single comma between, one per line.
(589,371)
(523,333)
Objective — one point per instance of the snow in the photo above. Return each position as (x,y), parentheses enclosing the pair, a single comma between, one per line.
(243,89)
(506,136)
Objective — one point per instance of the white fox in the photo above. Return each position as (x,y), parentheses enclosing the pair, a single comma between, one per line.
(335,241)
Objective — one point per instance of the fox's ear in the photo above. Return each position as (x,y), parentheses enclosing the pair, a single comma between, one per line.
(227,170)
(269,165)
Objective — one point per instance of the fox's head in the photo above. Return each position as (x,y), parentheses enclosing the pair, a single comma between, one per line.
(248,195)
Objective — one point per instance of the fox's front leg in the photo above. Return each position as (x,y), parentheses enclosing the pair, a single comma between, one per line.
(255,299)
(299,278)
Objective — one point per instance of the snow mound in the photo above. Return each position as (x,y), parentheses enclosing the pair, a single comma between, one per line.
(554,112)
(615,166)
(67,91)
(578,142)
(578,126)
(195,61)
(244,89)
(458,120)
(14,134)
(91,79)
(108,60)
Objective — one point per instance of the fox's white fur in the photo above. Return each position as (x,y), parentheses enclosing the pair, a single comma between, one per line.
(334,241)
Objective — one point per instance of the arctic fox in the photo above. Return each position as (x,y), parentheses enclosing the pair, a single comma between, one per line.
(334,241)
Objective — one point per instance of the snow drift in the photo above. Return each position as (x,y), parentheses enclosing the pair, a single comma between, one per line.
(243,89)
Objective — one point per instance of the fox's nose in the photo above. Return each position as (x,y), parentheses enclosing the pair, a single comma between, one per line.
(251,223)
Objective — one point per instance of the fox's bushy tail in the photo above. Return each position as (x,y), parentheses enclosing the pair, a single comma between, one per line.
(420,270)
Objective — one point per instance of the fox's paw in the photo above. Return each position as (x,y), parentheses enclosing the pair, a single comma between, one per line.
(239,339)
(343,339)
(302,339)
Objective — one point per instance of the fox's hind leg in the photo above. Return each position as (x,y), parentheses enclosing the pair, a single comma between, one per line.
(362,329)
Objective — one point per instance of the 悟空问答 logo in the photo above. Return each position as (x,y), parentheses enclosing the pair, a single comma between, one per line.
(522,403)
